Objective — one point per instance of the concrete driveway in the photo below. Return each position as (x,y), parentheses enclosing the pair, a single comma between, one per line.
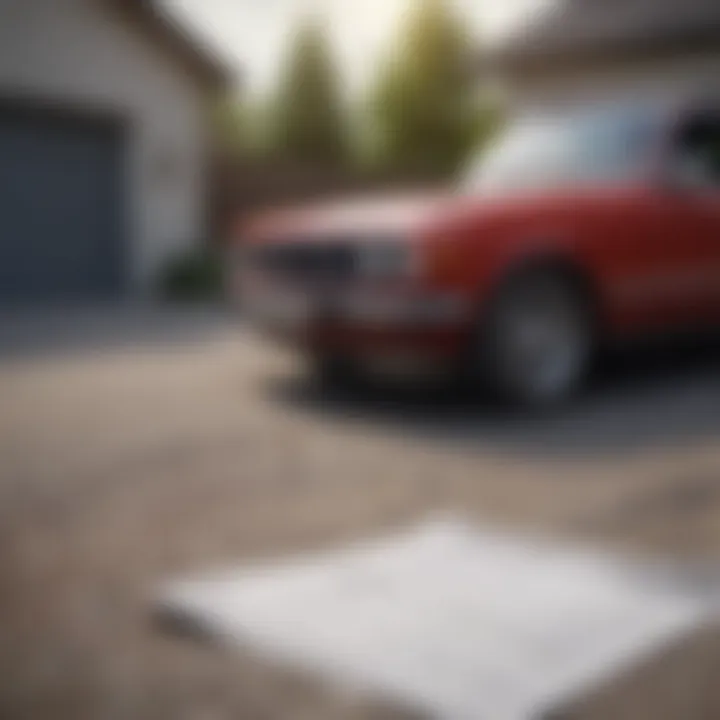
(138,444)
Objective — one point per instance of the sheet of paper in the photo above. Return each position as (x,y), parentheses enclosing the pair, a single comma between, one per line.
(457,623)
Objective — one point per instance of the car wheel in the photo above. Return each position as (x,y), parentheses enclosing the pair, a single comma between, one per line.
(536,345)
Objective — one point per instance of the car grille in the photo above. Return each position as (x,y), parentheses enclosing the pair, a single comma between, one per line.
(326,261)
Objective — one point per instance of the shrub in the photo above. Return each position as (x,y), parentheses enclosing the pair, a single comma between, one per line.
(195,275)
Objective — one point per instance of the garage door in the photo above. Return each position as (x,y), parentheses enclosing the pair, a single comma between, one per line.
(60,208)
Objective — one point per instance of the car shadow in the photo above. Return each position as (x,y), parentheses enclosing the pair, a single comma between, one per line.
(635,401)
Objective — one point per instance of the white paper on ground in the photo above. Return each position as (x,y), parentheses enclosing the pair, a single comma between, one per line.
(459,624)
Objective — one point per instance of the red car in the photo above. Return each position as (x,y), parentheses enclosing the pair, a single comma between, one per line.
(578,228)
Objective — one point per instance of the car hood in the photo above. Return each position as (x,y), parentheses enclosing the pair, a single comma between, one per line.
(413,215)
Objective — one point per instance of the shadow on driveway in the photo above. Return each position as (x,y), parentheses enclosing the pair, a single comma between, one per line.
(643,400)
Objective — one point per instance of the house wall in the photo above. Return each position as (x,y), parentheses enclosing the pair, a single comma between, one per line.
(79,54)
(671,77)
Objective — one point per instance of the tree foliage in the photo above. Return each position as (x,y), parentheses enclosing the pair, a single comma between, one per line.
(307,115)
(424,109)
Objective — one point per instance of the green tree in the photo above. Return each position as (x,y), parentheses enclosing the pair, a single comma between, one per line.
(307,116)
(425,108)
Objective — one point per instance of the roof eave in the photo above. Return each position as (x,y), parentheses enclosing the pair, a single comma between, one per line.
(513,56)
(165,31)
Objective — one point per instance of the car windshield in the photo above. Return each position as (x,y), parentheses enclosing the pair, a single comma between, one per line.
(551,151)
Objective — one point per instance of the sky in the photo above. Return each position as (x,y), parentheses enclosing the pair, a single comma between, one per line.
(252,34)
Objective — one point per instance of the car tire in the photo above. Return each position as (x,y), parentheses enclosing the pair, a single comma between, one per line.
(536,344)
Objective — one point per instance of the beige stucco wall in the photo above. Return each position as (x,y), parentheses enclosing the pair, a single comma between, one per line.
(678,77)
(77,52)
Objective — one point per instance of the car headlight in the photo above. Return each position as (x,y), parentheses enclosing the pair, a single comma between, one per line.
(387,259)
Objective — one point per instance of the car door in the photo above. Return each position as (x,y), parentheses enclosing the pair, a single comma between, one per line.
(688,222)
(658,240)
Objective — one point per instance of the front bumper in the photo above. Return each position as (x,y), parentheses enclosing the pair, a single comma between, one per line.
(369,324)
(403,309)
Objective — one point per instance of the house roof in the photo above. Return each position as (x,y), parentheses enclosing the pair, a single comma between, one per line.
(175,39)
(587,29)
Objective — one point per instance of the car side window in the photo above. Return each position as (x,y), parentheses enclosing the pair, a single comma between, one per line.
(697,156)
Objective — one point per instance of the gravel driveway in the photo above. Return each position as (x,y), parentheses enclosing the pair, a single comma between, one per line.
(135,446)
